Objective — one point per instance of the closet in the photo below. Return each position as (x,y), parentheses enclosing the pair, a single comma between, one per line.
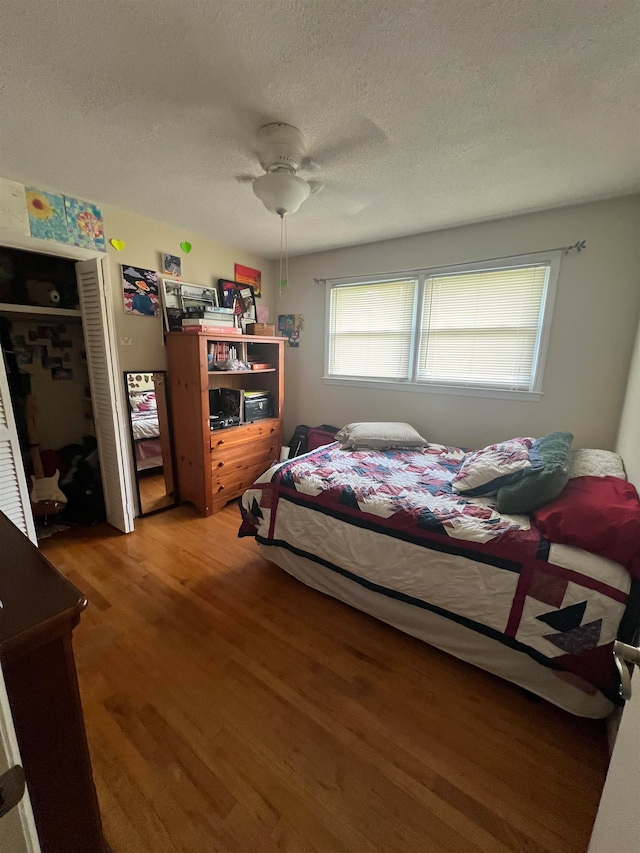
(60,355)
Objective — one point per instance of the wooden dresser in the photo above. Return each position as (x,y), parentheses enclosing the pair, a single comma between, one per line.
(214,467)
(40,609)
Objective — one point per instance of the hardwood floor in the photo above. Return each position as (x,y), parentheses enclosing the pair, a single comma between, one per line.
(229,708)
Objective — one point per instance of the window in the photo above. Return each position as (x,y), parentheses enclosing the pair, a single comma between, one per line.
(474,329)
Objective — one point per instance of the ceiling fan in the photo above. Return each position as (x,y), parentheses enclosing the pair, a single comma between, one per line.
(282,153)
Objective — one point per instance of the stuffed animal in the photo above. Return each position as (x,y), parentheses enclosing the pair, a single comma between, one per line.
(42,293)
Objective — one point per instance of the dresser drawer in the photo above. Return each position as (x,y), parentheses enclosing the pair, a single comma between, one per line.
(240,456)
(233,436)
(231,483)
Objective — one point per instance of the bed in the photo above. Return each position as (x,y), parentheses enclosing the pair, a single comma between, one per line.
(145,430)
(385,531)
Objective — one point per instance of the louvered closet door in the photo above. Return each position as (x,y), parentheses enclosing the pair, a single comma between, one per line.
(111,431)
(14,495)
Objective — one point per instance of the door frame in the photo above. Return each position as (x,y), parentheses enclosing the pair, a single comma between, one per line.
(11,240)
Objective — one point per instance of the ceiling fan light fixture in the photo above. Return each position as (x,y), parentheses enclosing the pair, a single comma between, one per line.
(281,191)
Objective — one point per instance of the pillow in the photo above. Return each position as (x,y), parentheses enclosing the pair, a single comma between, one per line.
(484,471)
(143,401)
(379,436)
(596,463)
(547,477)
(597,514)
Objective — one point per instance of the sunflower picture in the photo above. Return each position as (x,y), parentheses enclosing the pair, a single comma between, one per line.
(47,217)
(39,205)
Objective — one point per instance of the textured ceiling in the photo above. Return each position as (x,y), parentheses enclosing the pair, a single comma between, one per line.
(421,114)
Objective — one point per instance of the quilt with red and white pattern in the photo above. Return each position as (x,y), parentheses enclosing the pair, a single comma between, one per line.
(391,521)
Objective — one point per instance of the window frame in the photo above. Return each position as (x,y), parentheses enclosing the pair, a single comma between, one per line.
(412,384)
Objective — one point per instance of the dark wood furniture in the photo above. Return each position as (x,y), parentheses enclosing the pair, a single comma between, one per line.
(214,467)
(40,610)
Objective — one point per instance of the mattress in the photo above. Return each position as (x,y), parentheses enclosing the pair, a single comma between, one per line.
(385,532)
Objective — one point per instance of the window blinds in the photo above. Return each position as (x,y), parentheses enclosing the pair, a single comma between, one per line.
(371,329)
(482,328)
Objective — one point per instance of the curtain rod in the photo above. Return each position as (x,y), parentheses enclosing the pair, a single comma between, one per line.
(577,247)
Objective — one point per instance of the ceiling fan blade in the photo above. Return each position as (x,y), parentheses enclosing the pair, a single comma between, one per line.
(309,165)
(316,186)
(246,179)
(363,135)
(350,200)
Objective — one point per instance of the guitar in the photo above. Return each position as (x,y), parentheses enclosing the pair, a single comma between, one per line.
(46,496)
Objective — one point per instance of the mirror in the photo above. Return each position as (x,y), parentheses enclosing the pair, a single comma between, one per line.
(151,439)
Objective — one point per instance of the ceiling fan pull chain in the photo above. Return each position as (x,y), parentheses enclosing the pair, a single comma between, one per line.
(286,251)
(281,254)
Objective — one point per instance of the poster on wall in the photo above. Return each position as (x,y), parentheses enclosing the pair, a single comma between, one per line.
(84,223)
(290,326)
(247,275)
(13,208)
(140,291)
(47,216)
(172,265)
(238,296)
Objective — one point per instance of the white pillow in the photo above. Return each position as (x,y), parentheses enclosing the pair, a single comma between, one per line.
(379,436)
(485,471)
(596,463)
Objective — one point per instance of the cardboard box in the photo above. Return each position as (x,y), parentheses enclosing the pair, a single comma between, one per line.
(263,329)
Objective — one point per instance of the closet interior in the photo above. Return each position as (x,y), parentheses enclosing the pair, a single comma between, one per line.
(45,357)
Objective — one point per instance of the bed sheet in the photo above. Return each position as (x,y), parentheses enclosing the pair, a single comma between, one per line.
(145,425)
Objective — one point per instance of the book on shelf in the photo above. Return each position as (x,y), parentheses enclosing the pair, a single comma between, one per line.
(212,330)
(210,320)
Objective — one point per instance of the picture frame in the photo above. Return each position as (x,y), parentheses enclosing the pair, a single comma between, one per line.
(240,297)
(248,275)
(178,295)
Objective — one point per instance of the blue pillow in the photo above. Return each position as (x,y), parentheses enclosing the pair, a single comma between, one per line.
(547,477)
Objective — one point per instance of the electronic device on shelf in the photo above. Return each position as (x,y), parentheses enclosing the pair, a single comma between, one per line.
(258,405)
(222,421)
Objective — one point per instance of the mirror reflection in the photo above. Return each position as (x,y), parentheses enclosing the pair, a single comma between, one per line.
(151,439)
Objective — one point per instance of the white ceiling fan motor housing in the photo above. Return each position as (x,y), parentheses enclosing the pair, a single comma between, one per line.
(280,145)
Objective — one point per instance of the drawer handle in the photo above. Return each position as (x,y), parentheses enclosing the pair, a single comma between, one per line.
(221,442)
(220,464)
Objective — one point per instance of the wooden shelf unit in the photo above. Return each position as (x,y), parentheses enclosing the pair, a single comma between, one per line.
(215,467)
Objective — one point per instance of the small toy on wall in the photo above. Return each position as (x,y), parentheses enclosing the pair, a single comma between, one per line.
(140,291)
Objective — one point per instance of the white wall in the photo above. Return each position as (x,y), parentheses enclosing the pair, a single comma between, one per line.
(628,443)
(145,240)
(592,334)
